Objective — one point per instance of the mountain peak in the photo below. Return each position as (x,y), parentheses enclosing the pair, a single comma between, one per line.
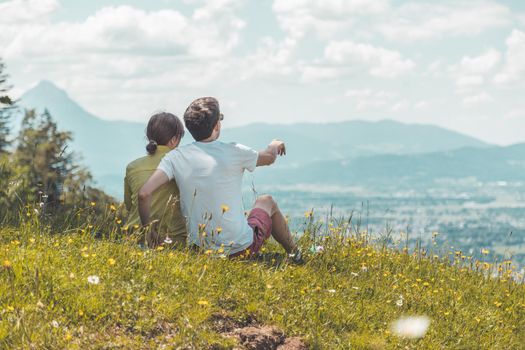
(48,89)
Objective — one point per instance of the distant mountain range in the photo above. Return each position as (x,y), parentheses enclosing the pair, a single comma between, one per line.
(491,164)
(332,152)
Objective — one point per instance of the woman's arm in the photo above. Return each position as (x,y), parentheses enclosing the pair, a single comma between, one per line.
(127,194)
(156,180)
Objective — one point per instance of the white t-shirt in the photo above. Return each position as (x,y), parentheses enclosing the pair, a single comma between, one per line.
(209,176)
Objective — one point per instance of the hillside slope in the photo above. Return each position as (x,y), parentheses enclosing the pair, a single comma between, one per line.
(73,291)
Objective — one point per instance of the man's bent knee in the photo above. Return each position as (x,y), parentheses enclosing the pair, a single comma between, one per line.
(267,203)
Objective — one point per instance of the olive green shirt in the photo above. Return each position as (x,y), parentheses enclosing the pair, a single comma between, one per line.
(165,204)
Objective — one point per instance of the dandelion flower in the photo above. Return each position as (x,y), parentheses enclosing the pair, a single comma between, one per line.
(485,251)
(219,230)
(111,261)
(203,303)
(6,264)
(92,204)
(412,327)
(224,208)
(93,279)
(113,207)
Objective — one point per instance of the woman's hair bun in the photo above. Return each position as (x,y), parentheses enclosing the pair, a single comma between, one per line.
(151,147)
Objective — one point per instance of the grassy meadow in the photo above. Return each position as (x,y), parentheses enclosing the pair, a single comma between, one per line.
(92,287)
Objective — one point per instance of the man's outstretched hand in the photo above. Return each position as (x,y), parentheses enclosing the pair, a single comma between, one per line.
(279,146)
(269,155)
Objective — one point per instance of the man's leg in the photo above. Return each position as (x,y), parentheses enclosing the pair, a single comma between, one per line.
(280,230)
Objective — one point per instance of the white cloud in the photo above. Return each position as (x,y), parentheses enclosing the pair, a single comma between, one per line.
(420,104)
(366,99)
(472,71)
(480,98)
(129,30)
(400,105)
(149,54)
(324,18)
(16,11)
(379,62)
(514,68)
(422,21)
(480,64)
(469,80)
(271,58)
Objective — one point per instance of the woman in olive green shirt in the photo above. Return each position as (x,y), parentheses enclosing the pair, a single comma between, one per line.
(164,133)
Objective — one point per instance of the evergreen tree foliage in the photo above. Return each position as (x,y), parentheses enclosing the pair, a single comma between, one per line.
(44,160)
(7,106)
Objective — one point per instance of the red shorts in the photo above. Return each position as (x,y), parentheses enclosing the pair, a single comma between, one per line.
(261,223)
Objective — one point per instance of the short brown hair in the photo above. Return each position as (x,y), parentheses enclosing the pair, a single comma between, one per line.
(201,116)
(162,127)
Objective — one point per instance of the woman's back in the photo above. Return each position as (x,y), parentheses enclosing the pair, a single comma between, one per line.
(165,205)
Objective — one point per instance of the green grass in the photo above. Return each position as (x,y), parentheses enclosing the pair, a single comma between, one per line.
(344,297)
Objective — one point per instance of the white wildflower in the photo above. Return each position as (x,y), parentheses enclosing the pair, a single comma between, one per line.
(93,279)
(364,268)
(355,274)
(54,323)
(168,240)
(400,301)
(331,290)
(412,327)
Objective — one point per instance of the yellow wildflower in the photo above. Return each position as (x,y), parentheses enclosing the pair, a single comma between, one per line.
(6,264)
(224,208)
(111,261)
(92,204)
(113,207)
(203,302)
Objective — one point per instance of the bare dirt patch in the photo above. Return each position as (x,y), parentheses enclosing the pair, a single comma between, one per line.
(254,336)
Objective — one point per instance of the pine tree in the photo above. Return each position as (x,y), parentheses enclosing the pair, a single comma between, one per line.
(7,105)
(43,157)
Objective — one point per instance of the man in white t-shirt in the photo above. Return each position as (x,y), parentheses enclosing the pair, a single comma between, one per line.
(209,175)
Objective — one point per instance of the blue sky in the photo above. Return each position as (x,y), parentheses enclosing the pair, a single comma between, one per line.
(457,64)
